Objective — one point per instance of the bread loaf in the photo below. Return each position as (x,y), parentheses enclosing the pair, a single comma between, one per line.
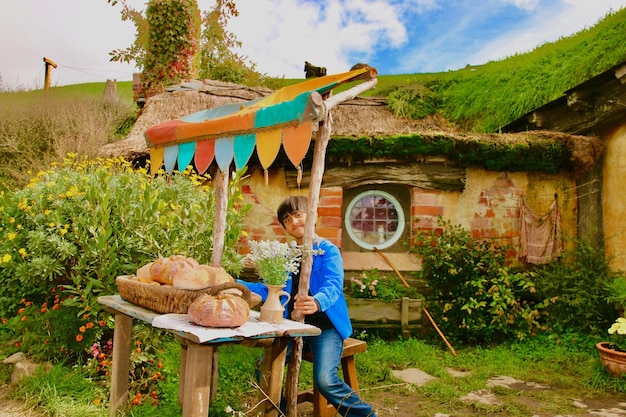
(164,269)
(218,274)
(190,278)
(143,274)
(222,310)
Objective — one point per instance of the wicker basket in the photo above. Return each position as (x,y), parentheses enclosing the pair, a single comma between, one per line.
(167,299)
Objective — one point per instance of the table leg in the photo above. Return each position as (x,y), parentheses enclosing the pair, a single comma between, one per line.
(181,371)
(196,380)
(214,374)
(272,371)
(121,363)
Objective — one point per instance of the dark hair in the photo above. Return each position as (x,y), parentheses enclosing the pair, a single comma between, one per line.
(289,206)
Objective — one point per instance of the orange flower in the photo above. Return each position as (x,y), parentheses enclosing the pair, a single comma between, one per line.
(24,318)
(79,337)
(82,329)
(17,344)
(55,307)
(4,320)
(20,311)
(89,325)
(43,309)
(101,323)
(85,316)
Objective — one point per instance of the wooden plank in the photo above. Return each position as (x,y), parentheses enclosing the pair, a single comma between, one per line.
(114,304)
(405,316)
(378,311)
(272,371)
(197,391)
(121,364)
(427,176)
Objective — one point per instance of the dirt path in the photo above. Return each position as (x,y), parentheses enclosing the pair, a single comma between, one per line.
(12,408)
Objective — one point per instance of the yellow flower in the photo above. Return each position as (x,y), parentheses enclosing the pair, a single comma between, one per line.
(12,220)
(62,231)
(46,212)
(12,235)
(6,258)
(51,224)
(22,252)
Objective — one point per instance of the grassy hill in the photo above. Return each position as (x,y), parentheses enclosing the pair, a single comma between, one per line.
(481,98)
(486,97)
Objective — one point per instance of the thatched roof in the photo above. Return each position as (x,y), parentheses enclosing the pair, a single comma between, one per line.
(361,118)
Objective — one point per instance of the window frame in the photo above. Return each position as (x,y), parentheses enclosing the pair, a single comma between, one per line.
(399,210)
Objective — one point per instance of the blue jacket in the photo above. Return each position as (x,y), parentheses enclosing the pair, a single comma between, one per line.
(325,284)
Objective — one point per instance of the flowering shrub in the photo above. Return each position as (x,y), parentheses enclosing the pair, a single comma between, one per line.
(475,296)
(617,334)
(370,285)
(66,236)
(275,260)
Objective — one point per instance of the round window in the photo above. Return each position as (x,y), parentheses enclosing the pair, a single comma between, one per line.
(374,219)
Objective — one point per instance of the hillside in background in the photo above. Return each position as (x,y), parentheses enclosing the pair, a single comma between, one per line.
(486,97)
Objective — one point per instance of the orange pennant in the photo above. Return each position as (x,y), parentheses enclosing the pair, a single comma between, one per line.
(296,141)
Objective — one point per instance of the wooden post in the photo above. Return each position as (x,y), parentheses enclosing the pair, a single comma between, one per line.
(317,172)
(219,223)
(48,63)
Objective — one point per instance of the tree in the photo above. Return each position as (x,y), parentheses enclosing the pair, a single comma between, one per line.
(168,52)
(219,61)
(173,43)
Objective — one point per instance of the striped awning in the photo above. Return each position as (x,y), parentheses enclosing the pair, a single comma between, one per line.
(233,131)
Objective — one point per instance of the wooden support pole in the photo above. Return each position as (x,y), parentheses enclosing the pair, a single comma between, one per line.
(48,63)
(317,173)
(219,223)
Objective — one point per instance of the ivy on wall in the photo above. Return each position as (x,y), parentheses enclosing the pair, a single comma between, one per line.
(173,43)
(549,156)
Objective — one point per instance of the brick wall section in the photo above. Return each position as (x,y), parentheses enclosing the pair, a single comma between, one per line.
(424,210)
(497,213)
(329,222)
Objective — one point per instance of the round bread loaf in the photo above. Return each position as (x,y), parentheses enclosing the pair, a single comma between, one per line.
(222,310)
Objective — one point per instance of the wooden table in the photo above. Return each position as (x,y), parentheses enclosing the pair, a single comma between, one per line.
(198,356)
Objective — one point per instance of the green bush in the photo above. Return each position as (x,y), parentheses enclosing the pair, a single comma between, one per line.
(414,101)
(75,228)
(475,297)
(580,282)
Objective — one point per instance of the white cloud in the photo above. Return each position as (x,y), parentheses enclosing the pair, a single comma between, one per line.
(401,36)
(324,33)
(547,25)
(524,4)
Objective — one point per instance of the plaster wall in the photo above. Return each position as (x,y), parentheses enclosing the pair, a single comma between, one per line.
(488,207)
(614,198)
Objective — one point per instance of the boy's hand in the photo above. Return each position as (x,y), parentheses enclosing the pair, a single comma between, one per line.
(305,304)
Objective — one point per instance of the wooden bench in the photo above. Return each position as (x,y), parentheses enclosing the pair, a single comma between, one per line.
(321,408)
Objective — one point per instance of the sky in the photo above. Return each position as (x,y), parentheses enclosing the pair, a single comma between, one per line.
(278,36)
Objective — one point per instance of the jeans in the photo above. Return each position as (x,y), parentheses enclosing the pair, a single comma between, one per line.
(326,350)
